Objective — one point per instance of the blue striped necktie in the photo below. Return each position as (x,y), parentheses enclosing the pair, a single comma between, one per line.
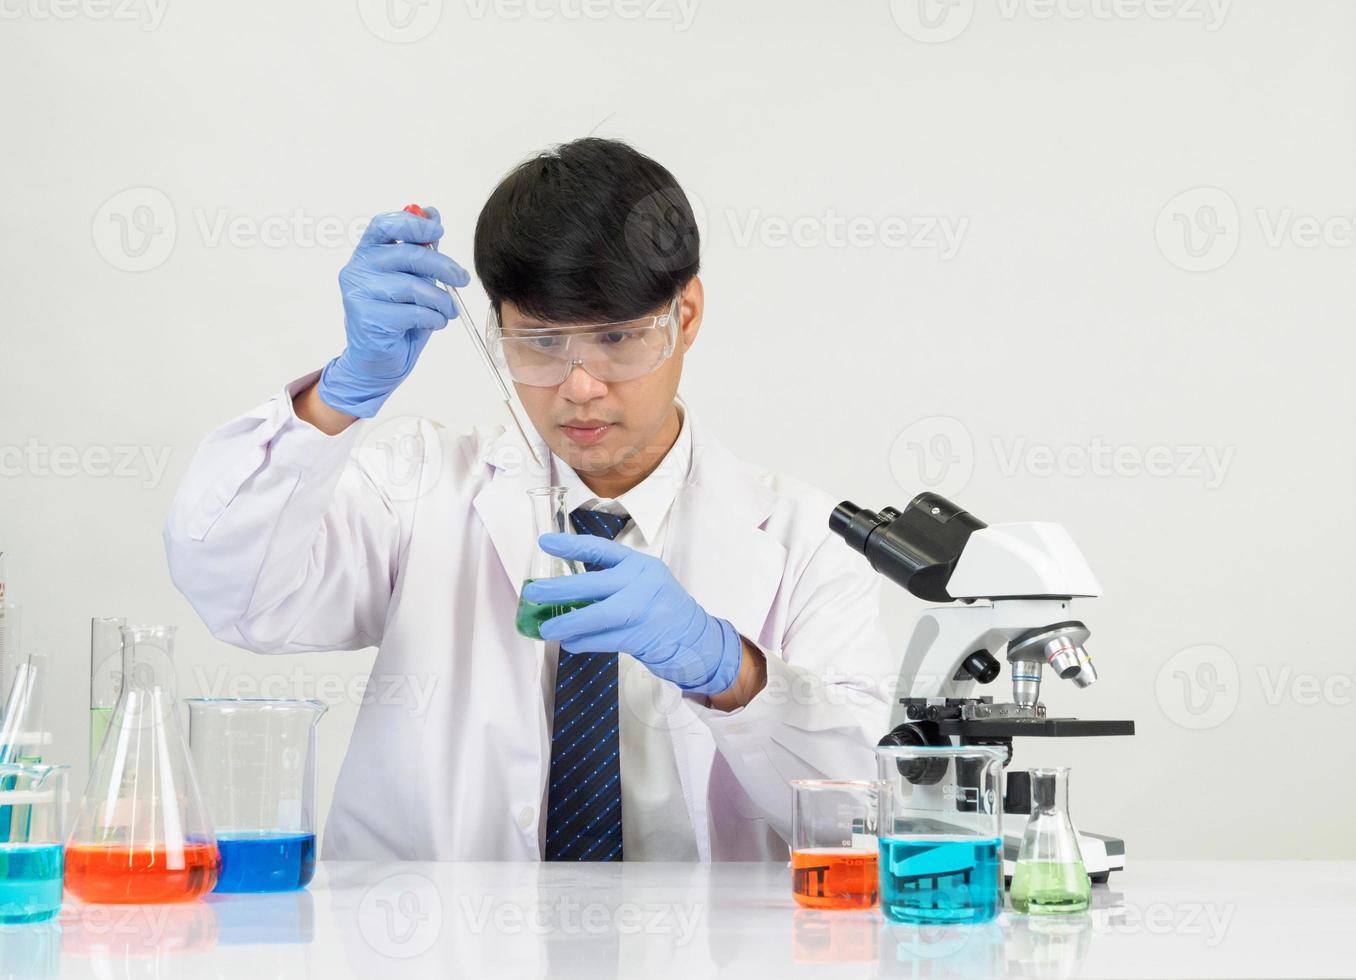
(583,808)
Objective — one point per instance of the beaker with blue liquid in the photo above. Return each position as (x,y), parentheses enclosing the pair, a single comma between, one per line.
(941,834)
(255,759)
(33,801)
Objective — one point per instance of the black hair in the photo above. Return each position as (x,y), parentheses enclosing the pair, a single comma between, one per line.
(588,230)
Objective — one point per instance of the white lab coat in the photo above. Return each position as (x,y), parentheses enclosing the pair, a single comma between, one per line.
(415,540)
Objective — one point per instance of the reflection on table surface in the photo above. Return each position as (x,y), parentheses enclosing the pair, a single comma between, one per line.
(670,920)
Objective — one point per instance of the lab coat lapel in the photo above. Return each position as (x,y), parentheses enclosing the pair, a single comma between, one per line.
(719,552)
(502,502)
(718,549)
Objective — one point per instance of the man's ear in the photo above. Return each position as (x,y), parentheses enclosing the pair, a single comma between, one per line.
(691,304)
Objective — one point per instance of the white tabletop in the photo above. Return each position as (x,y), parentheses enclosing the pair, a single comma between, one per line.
(1169,919)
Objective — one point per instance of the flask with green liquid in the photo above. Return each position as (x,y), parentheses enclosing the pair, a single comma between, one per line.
(1050,877)
(548,515)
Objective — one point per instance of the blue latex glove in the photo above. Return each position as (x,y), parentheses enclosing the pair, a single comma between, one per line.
(638,608)
(391,307)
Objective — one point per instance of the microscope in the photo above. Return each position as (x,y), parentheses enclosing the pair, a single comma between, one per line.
(1010,589)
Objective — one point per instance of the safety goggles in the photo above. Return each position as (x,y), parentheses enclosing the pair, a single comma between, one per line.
(621,351)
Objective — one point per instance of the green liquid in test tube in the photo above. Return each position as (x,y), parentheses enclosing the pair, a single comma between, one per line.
(105,677)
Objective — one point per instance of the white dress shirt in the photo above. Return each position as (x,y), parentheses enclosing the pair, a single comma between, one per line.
(655,823)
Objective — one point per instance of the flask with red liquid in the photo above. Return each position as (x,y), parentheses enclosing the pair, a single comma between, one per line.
(142,833)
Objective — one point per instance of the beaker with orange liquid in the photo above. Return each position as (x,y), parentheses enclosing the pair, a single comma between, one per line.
(142,833)
(833,843)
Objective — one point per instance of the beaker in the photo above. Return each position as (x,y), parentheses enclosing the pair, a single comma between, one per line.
(833,842)
(141,833)
(33,804)
(941,833)
(1049,876)
(256,760)
(105,676)
(548,515)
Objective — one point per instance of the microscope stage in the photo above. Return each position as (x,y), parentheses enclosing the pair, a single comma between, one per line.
(1033,727)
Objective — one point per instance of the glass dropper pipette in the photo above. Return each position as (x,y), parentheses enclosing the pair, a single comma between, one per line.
(479,343)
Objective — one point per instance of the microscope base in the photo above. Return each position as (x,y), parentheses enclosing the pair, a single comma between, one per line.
(1101,855)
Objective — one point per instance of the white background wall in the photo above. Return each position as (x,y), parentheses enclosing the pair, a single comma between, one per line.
(1074,147)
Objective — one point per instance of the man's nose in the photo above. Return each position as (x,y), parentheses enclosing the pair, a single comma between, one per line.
(580,386)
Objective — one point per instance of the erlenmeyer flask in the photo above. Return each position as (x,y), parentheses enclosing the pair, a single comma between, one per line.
(548,515)
(1050,876)
(142,833)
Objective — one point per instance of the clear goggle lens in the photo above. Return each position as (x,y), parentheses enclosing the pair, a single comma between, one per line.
(610,352)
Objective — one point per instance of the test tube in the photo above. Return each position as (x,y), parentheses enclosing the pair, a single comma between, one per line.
(105,676)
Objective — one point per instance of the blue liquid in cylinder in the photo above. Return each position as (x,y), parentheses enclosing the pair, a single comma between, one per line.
(30,882)
(265,861)
(939,880)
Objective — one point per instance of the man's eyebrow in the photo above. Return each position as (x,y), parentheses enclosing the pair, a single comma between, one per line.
(546,327)
(533,323)
(527,325)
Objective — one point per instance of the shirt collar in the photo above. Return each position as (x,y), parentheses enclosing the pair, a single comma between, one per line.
(649,501)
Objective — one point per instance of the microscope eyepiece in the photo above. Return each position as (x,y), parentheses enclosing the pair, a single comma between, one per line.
(917,548)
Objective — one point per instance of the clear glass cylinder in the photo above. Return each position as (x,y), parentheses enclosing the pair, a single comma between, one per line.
(141,833)
(256,760)
(549,515)
(33,802)
(1050,877)
(833,843)
(941,833)
(105,676)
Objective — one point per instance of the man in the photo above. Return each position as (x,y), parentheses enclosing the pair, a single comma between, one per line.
(732,643)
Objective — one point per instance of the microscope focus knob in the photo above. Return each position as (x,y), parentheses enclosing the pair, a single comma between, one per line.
(920,772)
(982,666)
